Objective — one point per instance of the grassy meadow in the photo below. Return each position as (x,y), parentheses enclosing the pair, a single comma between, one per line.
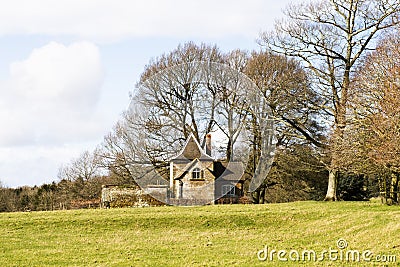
(229,235)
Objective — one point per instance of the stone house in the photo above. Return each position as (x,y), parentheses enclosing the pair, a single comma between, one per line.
(196,178)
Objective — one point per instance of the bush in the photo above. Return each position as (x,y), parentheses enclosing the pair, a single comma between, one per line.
(353,187)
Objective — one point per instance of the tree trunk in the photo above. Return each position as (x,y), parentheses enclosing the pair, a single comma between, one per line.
(256,197)
(340,121)
(229,150)
(332,186)
(259,195)
(262,195)
(394,187)
(331,193)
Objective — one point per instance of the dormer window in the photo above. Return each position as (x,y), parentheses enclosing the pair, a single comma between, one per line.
(197,174)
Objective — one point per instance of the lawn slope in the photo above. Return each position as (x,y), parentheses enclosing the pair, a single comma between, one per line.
(229,235)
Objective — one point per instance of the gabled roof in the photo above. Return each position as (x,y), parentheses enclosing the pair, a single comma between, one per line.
(228,171)
(187,169)
(191,165)
(190,151)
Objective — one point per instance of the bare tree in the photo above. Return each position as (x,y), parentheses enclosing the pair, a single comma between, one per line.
(80,180)
(285,86)
(178,103)
(194,89)
(330,37)
(374,118)
(123,148)
(283,92)
(233,90)
(85,167)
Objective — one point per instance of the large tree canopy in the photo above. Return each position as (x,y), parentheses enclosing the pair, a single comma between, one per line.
(371,142)
(330,37)
(196,89)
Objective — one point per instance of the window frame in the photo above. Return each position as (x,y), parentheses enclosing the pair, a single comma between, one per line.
(197,174)
(228,190)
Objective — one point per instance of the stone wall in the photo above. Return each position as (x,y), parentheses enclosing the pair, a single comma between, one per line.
(122,196)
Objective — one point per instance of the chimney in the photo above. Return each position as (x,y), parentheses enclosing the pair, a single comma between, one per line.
(208,144)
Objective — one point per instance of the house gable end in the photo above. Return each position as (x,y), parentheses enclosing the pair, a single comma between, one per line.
(190,151)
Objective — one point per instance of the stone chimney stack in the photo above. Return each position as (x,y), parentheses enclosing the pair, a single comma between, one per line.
(208,144)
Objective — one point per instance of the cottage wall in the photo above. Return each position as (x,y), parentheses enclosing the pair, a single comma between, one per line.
(201,189)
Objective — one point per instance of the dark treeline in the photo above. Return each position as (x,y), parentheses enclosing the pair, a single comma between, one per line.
(294,176)
(54,196)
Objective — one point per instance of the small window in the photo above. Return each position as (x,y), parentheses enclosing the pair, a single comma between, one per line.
(228,190)
(197,174)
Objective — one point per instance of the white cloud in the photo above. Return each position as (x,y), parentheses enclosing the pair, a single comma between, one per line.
(48,111)
(51,96)
(113,20)
(49,100)
(34,165)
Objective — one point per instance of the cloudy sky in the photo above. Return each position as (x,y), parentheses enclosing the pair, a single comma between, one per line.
(67,67)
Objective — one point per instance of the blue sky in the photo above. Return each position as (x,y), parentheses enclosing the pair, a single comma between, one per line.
(67,67)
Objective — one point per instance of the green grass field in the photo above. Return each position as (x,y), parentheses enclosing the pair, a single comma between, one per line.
(229,235)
